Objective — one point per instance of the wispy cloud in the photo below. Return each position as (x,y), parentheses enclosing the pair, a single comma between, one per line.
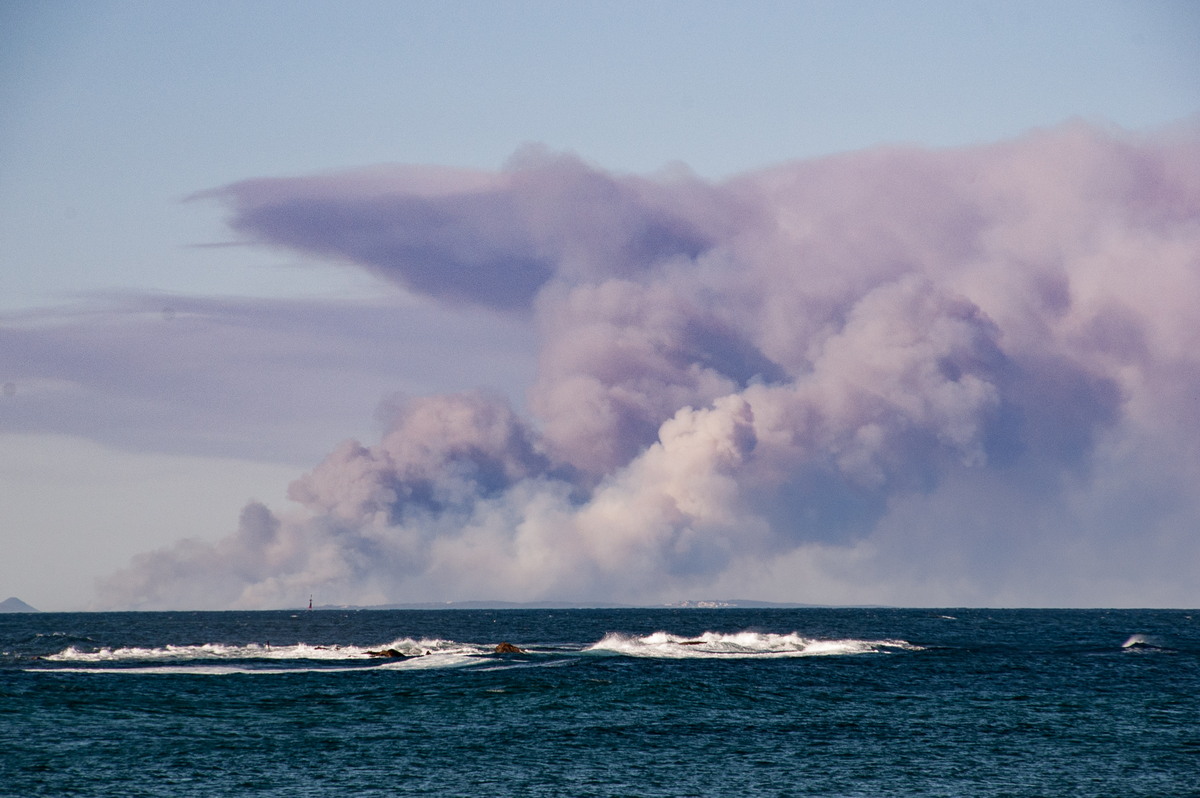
(249,378)
(900,375)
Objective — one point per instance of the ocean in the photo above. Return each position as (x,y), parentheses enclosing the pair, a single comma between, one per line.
(605,702)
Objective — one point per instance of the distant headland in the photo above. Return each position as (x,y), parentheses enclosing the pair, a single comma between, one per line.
(14,604)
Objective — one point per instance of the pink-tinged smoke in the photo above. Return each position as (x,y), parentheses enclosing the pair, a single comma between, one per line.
(896,376)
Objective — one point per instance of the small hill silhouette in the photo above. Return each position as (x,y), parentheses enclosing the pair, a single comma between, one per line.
(14,604)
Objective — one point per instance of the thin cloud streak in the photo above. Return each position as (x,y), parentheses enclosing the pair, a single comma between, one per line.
(897,376)
(268,380)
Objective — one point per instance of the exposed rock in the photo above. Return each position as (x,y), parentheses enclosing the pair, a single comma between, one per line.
(387,652)
(508,648)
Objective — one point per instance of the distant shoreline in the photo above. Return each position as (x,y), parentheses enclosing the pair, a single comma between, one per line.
(555,605)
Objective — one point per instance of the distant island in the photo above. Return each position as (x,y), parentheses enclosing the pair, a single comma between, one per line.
(14,604)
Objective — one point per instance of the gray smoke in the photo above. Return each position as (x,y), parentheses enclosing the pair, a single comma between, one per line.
(894,376)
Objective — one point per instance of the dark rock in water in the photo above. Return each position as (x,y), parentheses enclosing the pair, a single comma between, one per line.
(508,648)
(14,604)
(387,652)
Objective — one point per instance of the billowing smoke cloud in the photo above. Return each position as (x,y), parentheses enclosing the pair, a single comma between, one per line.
(900,376)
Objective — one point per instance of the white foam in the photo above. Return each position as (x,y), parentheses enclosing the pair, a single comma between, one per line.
(208,652)
(200,667)
(434,654)
(741,645)
(434,661)
(195,670)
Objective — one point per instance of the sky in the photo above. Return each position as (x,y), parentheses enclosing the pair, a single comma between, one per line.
(818,302)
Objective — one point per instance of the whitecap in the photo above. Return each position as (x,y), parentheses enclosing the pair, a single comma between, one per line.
(741,645)
(406,647)
(195,670)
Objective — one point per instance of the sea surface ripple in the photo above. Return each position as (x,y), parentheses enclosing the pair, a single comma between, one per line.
(614,702)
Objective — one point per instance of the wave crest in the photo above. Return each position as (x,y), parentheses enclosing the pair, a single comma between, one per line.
(207,652)
(741,645)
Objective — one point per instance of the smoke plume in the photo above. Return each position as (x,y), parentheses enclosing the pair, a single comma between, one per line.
(894,376)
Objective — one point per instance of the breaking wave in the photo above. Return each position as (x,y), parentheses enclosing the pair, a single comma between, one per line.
(432,654)
(262,651)
(742,645)
(207,658)
(1141,642)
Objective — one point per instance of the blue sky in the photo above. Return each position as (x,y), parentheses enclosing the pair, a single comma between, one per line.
(117,113)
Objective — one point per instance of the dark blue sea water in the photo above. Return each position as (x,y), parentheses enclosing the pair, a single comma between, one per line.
(658,702)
